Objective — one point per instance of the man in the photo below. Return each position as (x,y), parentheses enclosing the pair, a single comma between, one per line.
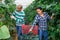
(42,19)
(19,15)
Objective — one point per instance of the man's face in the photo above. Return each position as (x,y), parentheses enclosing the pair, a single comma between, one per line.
(18,8)
(39,11)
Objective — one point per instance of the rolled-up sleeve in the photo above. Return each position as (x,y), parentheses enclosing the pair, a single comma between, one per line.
(13,14)
(48,17)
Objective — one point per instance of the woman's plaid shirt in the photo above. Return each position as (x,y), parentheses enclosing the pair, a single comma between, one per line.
(42,21)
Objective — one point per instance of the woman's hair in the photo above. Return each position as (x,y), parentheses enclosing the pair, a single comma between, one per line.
(39,8)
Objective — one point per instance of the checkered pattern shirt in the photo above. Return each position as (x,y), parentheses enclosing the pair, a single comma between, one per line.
(19,17)
(42,21)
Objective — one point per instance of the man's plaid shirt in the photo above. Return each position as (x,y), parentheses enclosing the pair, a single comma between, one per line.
(42,21)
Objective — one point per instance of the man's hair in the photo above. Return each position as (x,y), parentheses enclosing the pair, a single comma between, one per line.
(39,8)
(19,5)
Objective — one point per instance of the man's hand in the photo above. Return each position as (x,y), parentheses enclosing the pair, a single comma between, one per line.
(13,17)
(52,15)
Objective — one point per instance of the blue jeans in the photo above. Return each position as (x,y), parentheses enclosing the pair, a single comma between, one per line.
(43,33)
(19,32)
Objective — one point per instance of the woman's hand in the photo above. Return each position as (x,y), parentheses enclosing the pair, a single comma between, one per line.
(30,29)
(52,15)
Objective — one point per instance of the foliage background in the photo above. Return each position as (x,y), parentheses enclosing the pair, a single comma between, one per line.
(6,9)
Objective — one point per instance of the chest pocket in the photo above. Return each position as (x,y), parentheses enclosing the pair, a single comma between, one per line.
(41,19)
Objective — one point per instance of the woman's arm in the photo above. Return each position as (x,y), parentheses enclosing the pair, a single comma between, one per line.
(34,23)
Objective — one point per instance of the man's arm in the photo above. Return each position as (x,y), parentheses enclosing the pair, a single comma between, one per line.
(13,16)
(24,17)
(34,23)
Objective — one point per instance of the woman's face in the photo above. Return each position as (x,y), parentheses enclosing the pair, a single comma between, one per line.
(39,11)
